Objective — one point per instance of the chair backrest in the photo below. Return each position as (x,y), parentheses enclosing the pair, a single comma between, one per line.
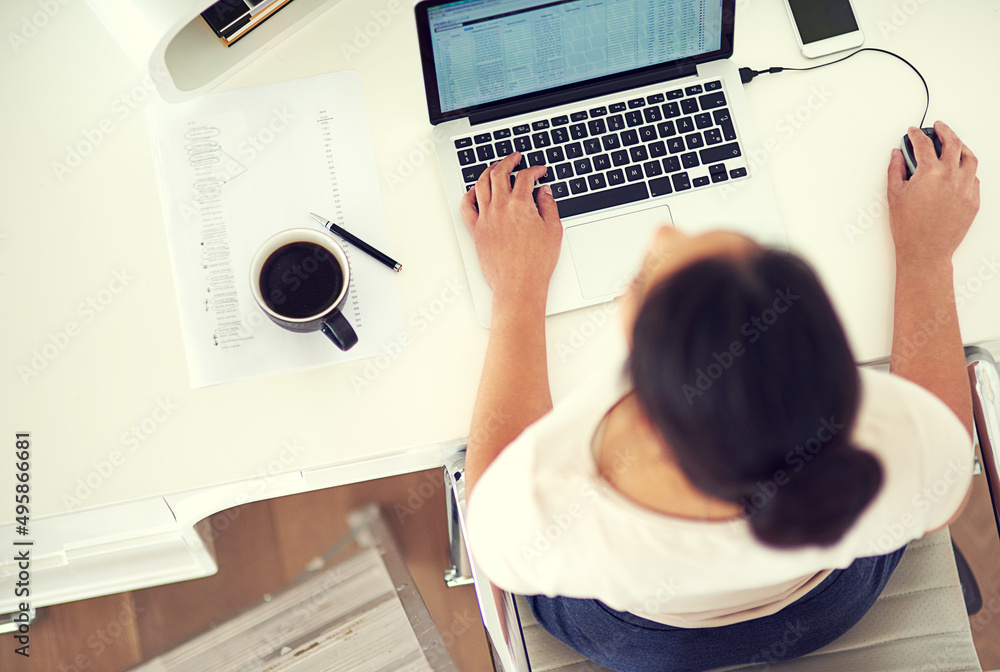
(918,623)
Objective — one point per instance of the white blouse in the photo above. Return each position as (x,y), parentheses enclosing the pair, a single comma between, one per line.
(542,521)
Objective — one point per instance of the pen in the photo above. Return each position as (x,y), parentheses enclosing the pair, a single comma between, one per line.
(360,244)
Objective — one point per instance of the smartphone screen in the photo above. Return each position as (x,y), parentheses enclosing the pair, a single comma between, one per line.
(818,20)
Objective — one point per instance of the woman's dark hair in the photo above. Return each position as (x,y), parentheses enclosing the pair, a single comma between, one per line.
(741,364)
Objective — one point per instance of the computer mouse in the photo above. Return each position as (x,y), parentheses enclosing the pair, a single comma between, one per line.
(907,147)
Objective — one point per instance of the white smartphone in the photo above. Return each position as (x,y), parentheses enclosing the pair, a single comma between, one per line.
(824,26)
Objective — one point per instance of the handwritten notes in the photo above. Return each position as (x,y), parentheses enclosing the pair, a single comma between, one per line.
(235,168)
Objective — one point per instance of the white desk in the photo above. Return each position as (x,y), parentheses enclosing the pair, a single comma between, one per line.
(126,456)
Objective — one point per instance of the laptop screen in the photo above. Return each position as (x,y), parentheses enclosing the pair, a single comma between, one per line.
(484,51)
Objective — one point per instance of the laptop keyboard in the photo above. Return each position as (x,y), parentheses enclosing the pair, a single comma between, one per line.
(624,152)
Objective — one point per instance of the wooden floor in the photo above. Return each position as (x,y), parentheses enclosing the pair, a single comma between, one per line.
(262,546)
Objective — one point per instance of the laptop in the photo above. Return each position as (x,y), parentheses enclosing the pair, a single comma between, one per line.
(634,107)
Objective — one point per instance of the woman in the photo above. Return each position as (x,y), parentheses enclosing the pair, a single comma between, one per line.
(736,491)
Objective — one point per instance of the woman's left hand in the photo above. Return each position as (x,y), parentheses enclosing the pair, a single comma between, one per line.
(517,240)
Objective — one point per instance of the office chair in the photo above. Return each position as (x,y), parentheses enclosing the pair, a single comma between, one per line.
(920,621)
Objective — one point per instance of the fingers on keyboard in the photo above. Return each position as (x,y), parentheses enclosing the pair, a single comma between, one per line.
(608,155)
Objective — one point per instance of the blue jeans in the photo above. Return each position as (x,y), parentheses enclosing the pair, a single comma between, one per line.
(627,643)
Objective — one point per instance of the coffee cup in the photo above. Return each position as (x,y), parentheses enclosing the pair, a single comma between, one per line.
(300,279)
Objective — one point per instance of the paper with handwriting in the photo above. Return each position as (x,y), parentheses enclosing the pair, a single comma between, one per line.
(236,167)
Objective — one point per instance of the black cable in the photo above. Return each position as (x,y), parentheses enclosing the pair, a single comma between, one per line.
(747,74)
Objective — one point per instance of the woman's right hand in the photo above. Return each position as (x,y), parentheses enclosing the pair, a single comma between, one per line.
(930,213)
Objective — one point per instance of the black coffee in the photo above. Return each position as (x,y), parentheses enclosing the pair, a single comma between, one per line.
(301,280)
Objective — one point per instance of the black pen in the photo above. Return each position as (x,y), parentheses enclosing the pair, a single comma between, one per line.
(360,244)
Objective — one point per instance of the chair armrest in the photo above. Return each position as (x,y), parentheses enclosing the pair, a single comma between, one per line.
(984,377)
(497,607)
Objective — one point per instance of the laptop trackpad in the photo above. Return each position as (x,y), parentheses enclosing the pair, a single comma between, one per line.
(607,252)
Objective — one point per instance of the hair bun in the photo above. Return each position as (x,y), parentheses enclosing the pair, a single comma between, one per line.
(833,488)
